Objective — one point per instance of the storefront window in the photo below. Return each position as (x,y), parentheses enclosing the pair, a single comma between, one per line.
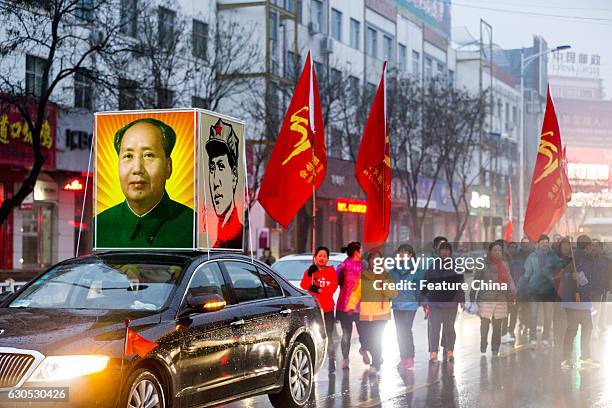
(37,233)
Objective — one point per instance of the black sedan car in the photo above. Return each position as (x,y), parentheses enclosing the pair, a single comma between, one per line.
(146,330)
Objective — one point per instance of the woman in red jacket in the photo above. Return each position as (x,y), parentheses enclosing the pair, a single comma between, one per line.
(321,281)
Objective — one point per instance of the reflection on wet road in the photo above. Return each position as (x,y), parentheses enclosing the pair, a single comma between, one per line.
(519,377)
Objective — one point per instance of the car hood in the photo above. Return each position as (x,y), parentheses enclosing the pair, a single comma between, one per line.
(69,331)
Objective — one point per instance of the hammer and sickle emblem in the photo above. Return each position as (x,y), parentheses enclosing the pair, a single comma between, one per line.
(298,124)
(547,149)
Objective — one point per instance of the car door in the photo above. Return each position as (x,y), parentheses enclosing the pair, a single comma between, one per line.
(212,356)
(267,320)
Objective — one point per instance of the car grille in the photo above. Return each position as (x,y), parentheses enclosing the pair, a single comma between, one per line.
(13,367)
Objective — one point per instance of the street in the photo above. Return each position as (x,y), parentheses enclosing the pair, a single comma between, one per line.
(519,377)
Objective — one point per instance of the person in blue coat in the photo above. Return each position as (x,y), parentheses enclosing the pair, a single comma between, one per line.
(540,269)
(406,304)
(576,291)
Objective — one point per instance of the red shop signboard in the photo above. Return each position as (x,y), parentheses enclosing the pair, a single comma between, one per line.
(16,138)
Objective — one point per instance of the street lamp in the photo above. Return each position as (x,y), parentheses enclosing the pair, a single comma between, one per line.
(524,64)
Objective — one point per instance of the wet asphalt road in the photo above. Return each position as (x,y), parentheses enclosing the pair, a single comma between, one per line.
(518,377)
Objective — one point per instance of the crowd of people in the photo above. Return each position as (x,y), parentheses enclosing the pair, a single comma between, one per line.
(556,285)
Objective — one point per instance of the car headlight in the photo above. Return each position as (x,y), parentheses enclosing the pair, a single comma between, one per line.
(56,368)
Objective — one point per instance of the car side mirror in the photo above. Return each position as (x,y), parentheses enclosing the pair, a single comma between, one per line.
(204,303)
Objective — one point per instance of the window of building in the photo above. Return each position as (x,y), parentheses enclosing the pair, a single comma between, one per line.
(35,67)
(354,87)
(507,116)
(246,282)
(441,69)
(274,47)
(451,78)
(336,25)
(388,48)
(129,19)
(428,67)
(355,33)
(402,55)
(199,39)
(84,10)
(83,89)
(165,98)
(198,102)
(416,63)
(300,12)
(316,13)
(165,24)
(371,88)
(128,94)
(335,143)
(290,64)
(371,42)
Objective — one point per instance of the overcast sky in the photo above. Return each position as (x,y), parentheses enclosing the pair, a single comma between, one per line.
(586,25)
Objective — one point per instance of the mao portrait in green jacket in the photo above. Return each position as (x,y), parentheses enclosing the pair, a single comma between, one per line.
(147,217)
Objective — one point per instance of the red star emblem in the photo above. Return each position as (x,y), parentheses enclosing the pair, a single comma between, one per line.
(218,129)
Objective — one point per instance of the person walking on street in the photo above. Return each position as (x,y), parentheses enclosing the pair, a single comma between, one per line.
(601,269)
(522,291)
(540,268)
(267,257)
(321,281)
(406,304)
(576,290)
(348,274)
(374,298)
(493,304)
(517,268)
(441,305)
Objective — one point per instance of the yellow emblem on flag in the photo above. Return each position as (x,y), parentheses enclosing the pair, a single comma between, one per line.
(299,124)
(548,149)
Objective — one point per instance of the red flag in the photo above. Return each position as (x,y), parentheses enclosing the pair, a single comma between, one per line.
(373,168)
(550,190)
(135,343)
(509,223)
(287,182)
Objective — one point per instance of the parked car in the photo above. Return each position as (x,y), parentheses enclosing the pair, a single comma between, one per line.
(292,267)
(221,327)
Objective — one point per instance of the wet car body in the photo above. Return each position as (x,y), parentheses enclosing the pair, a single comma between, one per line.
(201,359)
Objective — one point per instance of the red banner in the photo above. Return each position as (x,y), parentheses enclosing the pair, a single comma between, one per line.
(373,169)
(16,138)
(550,190)
(298,159)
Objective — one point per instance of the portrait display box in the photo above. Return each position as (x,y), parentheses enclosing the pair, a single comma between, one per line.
(169,179)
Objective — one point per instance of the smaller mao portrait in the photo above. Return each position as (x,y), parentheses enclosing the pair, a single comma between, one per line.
(147,201)
(223,183)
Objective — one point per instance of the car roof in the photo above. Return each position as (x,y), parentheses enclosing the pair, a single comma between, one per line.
(179,257)
(335,256)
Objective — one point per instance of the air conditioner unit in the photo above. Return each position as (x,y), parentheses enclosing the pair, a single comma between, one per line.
(327,45)
(314,28)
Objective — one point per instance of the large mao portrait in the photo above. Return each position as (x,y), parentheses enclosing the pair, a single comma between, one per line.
(145,179)
(222,182)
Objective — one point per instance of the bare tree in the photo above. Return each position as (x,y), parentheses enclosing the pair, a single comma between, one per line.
(464,124)
(58,33)
(426,121)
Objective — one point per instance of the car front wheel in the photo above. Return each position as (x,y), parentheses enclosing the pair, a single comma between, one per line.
(299,380)
(145,391)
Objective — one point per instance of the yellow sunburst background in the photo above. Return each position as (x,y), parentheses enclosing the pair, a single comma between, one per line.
(180,185)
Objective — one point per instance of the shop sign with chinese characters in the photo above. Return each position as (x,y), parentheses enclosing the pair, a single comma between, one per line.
(16,138)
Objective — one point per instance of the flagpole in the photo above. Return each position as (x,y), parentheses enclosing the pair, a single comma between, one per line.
(563,170)
(311,116)
(384,170)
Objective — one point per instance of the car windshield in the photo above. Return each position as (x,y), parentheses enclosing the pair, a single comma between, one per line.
(294,269)
(99,285)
